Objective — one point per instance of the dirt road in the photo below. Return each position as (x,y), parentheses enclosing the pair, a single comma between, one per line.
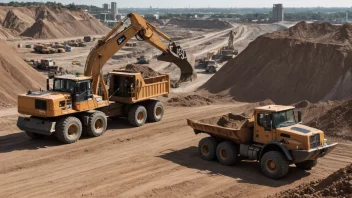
(156,160)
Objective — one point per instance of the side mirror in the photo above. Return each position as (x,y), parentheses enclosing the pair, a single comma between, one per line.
(299,117)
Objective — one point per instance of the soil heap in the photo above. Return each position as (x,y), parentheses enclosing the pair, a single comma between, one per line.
(306,62)
(16,76)
(48,22)
(204,24)
(338,184)
(229,121)
(146,71)
(336,122)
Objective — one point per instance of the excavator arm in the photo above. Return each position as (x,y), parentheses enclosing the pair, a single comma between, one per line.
(115,40)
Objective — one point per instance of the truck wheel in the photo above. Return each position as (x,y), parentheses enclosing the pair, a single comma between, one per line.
(274,164)
(307,165)
(227,153)
(97,124)
(34,136)
(207,148)
(68,130)
(137,115)
(155,111)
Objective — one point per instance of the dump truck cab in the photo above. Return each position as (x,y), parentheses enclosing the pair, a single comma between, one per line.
(69,94)
(274,136)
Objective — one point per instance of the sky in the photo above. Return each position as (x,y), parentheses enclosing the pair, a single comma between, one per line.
(210,3)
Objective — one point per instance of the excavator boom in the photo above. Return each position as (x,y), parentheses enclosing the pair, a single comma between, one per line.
(115,40)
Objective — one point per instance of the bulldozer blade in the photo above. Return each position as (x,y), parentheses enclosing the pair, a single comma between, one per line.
(182,60)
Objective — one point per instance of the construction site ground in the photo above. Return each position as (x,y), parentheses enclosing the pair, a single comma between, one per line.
(155,160)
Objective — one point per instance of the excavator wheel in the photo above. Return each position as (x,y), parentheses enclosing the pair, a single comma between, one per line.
(155,111)
(137,115)
(68,129)
(97,124)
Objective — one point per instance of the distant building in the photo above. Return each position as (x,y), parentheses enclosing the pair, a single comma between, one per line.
(106,6)
(278,13)
(151,16)
(114,9)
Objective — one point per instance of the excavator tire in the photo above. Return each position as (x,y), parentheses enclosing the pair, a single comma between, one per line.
(307,165)
(97,124)
(137,115)
(34,136)
(274,164)
(227,153)
(68,129)
(155,110)
(207,148)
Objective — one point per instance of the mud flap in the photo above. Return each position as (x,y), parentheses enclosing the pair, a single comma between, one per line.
(184,61)
(36,125)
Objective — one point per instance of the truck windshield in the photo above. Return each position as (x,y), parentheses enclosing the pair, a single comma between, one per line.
(284,118)
(64,85)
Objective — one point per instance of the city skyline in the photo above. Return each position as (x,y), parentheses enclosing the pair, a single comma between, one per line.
(213,4)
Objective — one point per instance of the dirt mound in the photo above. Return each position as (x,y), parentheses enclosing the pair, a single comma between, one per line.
(16,20)
(197,100)
(294,68)
(229,121)
(16,76)
(336,122)
(338,184)
(146,71)
(204,24)
(49,22)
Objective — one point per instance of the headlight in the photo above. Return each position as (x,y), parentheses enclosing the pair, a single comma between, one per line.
(299,148)
(325,141)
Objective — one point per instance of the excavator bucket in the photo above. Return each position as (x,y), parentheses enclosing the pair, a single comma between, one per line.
(184,61)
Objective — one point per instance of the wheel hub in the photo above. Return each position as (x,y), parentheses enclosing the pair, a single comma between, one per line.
(205,149)
(271,165)
(99,124)
(223,154)
(140,116)
(73,130)
(158,111)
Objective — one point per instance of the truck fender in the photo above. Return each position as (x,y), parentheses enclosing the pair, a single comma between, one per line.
(275,146)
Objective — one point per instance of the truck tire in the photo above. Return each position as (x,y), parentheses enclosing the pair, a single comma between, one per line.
(137,115)
(34,136)
(97,124)
(155,110)
(227,153)
(274,164)
(207,148)
(307,165)
(68,130)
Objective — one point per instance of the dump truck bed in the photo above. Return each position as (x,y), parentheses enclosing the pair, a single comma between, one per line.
(128,87)
(230,126)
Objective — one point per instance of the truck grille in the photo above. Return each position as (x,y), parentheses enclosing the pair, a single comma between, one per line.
(314,141)
(40,104)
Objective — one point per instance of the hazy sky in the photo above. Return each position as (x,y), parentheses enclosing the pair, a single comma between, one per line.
(212,3)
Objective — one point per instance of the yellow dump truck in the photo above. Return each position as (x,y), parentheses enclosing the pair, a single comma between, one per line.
(63,109)
(274,136)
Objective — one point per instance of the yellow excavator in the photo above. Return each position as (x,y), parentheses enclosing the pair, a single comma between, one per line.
(79,104)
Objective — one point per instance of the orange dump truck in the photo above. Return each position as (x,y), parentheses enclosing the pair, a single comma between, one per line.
(274,136)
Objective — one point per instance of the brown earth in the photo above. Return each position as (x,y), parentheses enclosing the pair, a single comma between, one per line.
(156,160)
(184,100)
(229,121)
(338,184)
(146,71)
(48,22)
(16,76)
(290,65)
(336,122)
